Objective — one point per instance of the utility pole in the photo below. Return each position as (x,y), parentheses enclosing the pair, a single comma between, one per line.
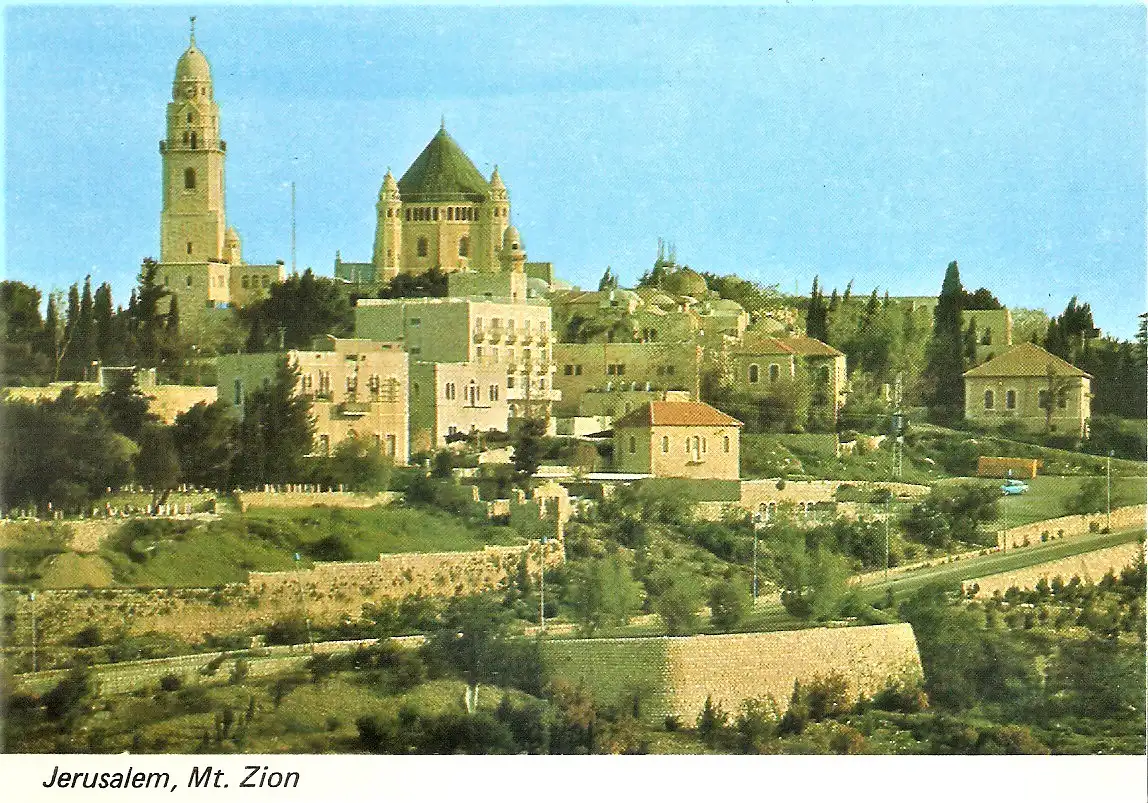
(293,228)
(755,562)
(542,586)
(303,604)
(1108,517)
(32,604)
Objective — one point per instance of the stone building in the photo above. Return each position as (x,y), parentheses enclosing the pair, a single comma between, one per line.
(449,398)
(758,364)
(688,440)
(201,260)
(512,335)
(1031,387)
(605,368)
(441,214)
(355,387)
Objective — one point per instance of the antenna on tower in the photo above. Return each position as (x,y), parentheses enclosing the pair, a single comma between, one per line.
(193,31)
(292,228)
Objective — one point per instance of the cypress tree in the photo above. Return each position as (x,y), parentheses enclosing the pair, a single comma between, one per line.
(69,361)
(945,355)
(106,346)
(815,317)
(970,342)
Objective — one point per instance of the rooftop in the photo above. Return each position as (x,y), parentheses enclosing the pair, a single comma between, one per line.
(676,414)
(1026,359)
(443,172)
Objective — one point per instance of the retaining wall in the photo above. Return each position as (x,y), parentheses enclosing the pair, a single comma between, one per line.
(1089,567)
(1123,518)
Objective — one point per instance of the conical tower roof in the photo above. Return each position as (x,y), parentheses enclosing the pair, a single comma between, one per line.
(442,172)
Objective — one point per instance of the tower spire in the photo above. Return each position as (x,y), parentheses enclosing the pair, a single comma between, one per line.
(193,31)
(442,123)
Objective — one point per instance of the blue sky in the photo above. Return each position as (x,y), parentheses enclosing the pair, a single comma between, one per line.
(777,143)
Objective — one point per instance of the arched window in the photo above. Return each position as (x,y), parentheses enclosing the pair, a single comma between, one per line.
(188,248)
(990,400)
(1010,400)
(189,178)
(184,137)
(408,214)
(189,117)
(774,372)
(824,373)
(754,374)
(421,247)
(464,246)
(725,444)
(193,144)
(633,445)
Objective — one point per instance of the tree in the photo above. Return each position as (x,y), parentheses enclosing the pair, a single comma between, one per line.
(125,406)
(969,344)
(1055,386)
(204,437)
(728,604)
(528,447)
(276,433)
(157,465)
(302,308)
(148,323)
(470,637)
(23,358)
(813,580)
(678,607)
(109,350)
(604,592)
(945,367)
(816,315)
(358,463)
(608,281)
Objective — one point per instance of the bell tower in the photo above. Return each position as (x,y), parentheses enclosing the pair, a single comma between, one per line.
(193,222)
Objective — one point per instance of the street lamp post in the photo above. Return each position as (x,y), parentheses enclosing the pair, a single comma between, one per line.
(1108,517)
(32,604)
(303,604)
(542,587)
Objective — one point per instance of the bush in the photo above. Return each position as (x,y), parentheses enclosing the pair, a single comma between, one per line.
(728,605)
(171,682)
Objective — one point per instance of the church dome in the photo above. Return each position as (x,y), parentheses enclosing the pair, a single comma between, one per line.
(511,240)
(687,282)
(192,66)
(442,172)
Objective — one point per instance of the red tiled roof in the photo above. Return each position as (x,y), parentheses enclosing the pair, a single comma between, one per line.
(800,346)
(677,414)
(1026,359)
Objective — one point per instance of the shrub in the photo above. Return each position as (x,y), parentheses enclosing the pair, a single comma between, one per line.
(711,721)
(171,682)
(728,605)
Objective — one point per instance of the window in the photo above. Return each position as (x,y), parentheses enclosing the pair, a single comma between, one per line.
(1042,399)
(725,444)
(568,370)
(421,246)
(990,400)
(416,322)
(774,372)
(577,370)
(510,380)
(391,446)
(463,246)
(408,214)
(478,352)
(245,282)
(492,393)
(189,179)
(193,144)
(1010,400)
(449,393)
(1062,399)
(184,137)
(415,390)
(189,246)
(665,444)
(189,281)
(633,445)
(616,369)
(987,338)
(239,391)
(753,374)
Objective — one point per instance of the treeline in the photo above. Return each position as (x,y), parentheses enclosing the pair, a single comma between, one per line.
(85,328)
(67,451)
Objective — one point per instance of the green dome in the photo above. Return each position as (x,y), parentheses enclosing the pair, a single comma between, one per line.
(442,172)
(686,282)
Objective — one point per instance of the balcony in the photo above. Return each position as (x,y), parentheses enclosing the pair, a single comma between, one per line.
(354,409)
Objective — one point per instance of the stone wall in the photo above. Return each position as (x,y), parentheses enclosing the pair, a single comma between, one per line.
(757,495)
(328,594)
(1089,567)
(248,500)
(1123,518)
(682,672)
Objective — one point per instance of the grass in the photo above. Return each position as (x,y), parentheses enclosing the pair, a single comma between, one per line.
(185,554)
(612,671)
(1047,497)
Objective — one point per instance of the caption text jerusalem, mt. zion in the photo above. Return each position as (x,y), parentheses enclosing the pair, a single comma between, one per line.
(252,776)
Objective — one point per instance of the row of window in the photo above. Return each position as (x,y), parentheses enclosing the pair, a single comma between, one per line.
(696,445)
(430,214)
(472,393)
(1042,397)
(527,354)
(616,369)
(255,281)
(385,443)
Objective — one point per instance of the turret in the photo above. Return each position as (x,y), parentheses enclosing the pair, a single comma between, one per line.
(388,229)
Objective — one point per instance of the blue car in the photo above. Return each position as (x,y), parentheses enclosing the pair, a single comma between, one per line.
(1014,488)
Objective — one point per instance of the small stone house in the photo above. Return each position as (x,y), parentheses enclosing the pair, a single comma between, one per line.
(1021,384)
(759,362)
(689,440)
